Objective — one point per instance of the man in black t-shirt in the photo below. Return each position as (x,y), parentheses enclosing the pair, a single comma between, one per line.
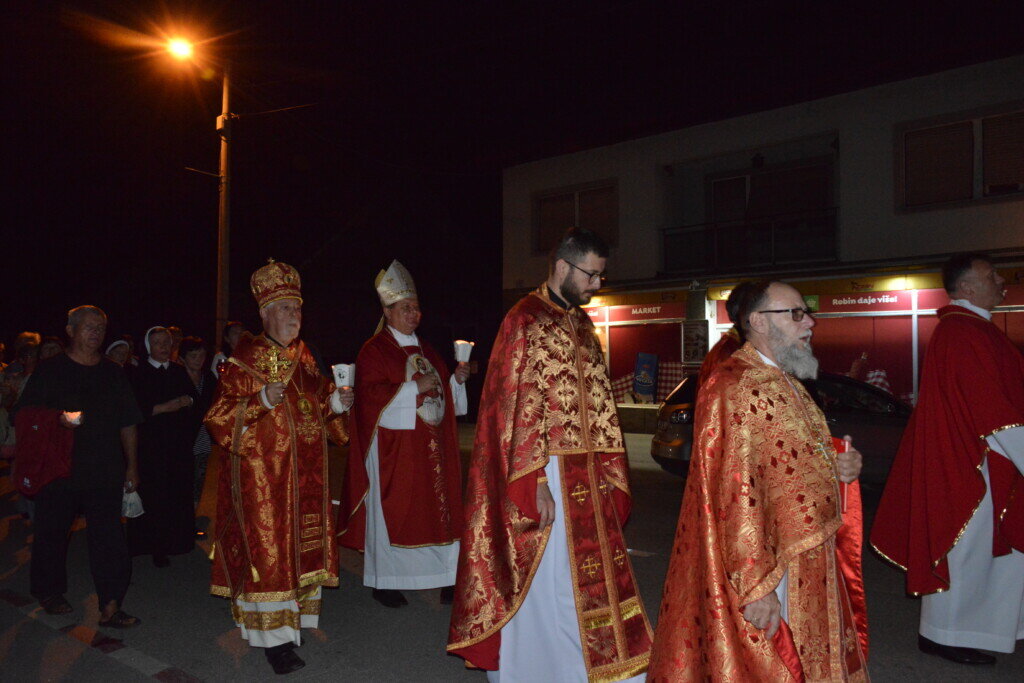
(103,466)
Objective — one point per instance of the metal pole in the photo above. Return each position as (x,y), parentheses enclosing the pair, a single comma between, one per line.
(223,211)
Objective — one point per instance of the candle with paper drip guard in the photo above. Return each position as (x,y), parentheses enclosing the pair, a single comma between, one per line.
(344,375)
(462,350)
(74,417)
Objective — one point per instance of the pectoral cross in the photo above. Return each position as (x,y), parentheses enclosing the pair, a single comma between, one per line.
(579,493)
(273,363)
(591,566)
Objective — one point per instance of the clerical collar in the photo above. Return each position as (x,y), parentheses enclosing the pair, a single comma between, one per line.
(267,335)
(767,360)
(557,300)
(964,303)
(157,364)
(404,339)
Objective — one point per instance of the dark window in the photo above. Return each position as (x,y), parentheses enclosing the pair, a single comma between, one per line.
(595,207)
(961,161)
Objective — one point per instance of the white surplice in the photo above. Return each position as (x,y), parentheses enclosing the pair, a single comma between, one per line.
(385,566)
(984,606)
(541,642)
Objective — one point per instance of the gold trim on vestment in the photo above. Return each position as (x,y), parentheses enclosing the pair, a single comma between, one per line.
(1002,429)
(616,672)
(266,621)
(311,531)
(542,544)
(320,577)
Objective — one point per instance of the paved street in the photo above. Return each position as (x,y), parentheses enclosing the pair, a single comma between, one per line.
(187,635)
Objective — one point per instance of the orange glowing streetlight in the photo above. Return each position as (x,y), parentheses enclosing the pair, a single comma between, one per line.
(180,48)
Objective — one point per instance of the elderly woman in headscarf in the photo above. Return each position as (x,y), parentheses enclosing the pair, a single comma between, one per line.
(165,396)
(119,352)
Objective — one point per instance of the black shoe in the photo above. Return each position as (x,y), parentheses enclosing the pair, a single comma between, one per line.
(447,595)
(283,659)
(389,598)
(161,561)
(960,655)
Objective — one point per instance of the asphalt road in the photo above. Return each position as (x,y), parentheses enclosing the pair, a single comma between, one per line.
(187,635)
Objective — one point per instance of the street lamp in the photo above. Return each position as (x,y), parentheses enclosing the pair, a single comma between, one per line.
(182,50)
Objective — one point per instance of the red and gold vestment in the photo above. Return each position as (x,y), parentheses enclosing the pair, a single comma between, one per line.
(762,501)
(547,393)
(420,471)
(972,386)
(274,538)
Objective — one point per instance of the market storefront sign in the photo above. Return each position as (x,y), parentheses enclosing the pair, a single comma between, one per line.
(640,312)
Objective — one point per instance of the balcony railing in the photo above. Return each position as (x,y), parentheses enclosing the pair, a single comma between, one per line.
(752,244)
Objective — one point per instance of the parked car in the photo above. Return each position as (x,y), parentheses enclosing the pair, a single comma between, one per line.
(873,417)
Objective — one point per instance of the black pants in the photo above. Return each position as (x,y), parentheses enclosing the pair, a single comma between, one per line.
(57,505)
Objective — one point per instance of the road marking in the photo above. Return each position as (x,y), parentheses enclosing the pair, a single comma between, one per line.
(99,641)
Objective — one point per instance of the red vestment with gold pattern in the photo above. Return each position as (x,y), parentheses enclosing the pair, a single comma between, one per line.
(420,471)
(762,501)
(972,386)
(547,393)
(274,538)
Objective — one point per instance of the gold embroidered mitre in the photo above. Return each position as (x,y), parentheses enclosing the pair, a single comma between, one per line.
(394,284)
(275,281)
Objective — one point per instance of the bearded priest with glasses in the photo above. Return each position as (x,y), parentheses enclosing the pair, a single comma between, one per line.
(764,582)
(545,589)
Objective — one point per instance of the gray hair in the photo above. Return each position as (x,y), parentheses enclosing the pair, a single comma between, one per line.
(77,314)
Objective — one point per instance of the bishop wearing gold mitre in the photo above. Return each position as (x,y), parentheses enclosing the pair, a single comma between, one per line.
(274,545)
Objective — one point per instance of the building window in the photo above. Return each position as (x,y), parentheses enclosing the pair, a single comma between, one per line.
(594,206)
(958,161)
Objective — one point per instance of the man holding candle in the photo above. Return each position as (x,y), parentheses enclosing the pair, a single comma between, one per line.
(545,589)
(402,498)
(952,514)
(764,581)
(99,407)
(273,412)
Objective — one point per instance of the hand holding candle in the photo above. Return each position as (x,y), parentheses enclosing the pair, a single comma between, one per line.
(848,461)
(463,349)
(71,419)
(344,375)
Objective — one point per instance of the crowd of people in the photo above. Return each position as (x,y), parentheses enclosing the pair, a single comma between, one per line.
(764,581)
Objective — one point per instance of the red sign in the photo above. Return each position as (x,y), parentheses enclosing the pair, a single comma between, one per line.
(598,314)
(931,298)
(865,302)
(633,312)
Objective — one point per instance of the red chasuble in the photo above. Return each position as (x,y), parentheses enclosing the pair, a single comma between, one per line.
(420,471)
(726,346)
(275,531)
(547,393)
(972,386)
(762,500)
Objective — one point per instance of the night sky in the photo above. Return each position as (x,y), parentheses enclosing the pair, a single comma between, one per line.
(416,107)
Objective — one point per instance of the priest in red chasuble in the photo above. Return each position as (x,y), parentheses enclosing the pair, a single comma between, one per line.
(764,582)
(402,498)
(273,412)
(952,514)
(545,590)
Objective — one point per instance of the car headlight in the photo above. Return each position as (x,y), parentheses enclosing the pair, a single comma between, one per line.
(681,417)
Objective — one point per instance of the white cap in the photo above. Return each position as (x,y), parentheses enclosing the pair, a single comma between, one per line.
(394,284)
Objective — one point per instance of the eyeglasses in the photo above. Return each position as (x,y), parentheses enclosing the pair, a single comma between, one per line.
(596,275)
(797,313)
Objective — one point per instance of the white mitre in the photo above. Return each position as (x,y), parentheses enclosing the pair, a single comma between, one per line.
(395,284)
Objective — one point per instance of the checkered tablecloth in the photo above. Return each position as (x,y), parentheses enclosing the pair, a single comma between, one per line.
(879,378)
(669,375)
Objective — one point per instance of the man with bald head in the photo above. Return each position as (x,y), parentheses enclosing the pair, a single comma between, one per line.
(764,580)
(952,515)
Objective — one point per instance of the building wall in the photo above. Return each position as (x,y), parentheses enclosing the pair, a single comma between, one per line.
(653,192)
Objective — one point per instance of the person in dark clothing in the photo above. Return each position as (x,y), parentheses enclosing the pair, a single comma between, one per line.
(164,394)
(193,358)
(103,467)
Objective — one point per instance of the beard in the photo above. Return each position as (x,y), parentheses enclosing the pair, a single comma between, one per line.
(572,294)
(796,357)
